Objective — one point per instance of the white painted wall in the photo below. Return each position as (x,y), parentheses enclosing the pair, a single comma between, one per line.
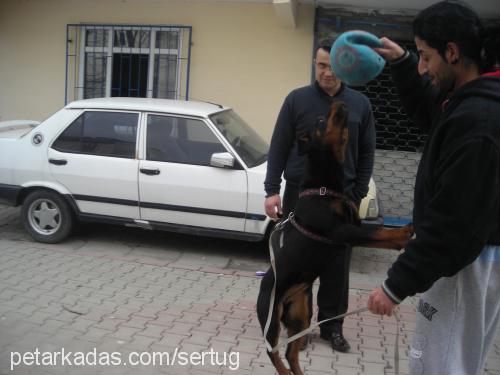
(241,55)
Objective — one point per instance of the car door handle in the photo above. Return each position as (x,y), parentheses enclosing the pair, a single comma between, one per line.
(58,161)
(150,172)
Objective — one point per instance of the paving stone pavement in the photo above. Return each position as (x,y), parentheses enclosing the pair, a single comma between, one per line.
(109,306)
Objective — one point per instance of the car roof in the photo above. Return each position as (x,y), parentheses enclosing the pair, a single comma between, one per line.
(183,107)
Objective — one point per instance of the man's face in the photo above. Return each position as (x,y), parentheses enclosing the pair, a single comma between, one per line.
(437,69)
(323,72)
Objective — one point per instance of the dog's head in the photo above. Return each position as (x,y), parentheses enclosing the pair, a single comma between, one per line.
(330,133)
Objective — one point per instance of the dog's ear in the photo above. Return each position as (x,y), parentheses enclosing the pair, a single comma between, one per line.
(303,143)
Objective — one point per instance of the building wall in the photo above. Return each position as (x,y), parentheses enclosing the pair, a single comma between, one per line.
(241,56)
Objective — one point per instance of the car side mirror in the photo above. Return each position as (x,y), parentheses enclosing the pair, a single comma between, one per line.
(222,160)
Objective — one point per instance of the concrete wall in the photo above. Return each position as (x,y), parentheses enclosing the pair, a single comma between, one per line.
(241,56)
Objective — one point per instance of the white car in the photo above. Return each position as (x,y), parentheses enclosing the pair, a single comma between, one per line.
(181,166)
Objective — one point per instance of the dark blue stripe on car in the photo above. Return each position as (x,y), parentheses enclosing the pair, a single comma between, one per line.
(171,207)
(91,198)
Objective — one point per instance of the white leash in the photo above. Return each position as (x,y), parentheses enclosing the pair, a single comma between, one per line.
(288,340)
(278,226)
(396,345)
(312,326)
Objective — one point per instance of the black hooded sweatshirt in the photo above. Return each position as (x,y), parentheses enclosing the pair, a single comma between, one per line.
(457,189)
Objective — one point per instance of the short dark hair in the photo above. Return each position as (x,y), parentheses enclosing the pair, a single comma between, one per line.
(450,21)
(325,44)
(491,48)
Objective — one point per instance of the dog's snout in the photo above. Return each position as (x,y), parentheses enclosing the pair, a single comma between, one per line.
(341,111)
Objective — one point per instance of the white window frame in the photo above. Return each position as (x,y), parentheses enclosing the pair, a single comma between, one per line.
(110,50)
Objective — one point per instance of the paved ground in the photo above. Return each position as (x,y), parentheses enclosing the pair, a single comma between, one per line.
(122,291)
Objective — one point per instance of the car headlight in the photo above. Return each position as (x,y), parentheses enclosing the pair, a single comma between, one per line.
(372,211)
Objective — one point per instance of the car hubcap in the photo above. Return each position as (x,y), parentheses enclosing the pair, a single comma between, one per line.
(44,216)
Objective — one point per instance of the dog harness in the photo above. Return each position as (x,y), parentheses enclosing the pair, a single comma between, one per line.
(322,191)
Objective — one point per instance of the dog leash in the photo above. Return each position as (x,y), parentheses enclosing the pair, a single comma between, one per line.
(276,228)
(396,344)
(312,326)
(279,226)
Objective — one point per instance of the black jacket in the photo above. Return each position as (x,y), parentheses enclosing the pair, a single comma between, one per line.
(299,113)
(457,189)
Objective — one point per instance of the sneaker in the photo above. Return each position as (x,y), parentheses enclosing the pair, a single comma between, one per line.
(338,341)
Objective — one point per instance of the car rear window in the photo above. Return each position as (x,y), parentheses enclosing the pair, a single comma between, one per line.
(100,133)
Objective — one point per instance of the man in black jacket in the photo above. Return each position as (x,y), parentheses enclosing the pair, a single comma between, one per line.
(455,257)
(300,111)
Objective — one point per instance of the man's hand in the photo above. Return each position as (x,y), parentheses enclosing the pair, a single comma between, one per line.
(390,50)
(379,303)
(272,205)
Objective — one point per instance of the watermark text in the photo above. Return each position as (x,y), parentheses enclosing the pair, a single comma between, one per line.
(97,358)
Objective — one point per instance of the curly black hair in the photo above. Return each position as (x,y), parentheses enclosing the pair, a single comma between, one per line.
(451,21)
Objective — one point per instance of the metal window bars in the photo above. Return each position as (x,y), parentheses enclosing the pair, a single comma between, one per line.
(127,60)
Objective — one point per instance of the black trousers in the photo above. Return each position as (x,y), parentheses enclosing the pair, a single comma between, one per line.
(333,293)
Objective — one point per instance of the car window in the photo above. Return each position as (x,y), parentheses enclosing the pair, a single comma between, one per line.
(100,133)
(180,140)
(245,141)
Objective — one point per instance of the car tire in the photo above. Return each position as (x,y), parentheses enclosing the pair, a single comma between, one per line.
(46,216)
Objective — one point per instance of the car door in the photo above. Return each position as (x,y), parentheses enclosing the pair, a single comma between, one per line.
(177,185)
(95,159)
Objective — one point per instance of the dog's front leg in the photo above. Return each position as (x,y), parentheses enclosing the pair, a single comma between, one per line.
(383,238)
(394,238)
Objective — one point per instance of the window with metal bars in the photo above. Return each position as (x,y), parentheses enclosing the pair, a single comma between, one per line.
(127,61)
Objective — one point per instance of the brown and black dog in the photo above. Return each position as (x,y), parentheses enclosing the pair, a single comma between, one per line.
(323,220)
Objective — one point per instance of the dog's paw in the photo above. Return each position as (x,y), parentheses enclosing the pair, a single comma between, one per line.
(284,371)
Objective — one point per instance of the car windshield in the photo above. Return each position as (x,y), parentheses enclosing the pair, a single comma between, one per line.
(245,141)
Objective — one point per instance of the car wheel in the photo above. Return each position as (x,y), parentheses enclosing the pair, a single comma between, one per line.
(47,217)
